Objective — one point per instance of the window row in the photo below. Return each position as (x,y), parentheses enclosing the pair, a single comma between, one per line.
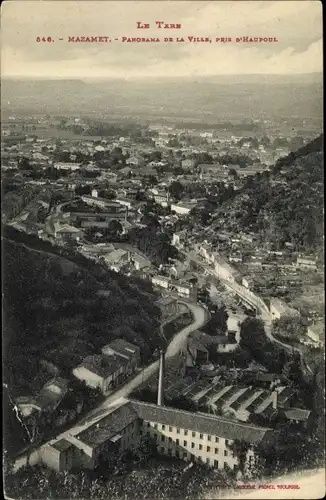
(169,428)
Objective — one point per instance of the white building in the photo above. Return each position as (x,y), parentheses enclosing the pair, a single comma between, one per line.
(316,332)
(279,309)
(183,208)
(309,263)
(101,371)
(162,281)
(178,239)
(67,166)
(162,198)
(96,201)
(192,437)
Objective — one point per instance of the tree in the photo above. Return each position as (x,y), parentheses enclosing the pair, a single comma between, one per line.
(252,334)
(289,328)
(233,172)
(151,181)
(151,221)
(176,190)
(292,370)
(218,320)
(204,295)
(24,164)
(115,228)
(155,156)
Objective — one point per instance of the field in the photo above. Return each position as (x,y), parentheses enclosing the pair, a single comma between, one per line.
(46,132)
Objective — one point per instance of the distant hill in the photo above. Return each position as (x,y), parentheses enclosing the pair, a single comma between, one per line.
(214,98)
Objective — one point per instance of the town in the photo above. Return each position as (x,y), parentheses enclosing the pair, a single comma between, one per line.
(163,248)
(143,206)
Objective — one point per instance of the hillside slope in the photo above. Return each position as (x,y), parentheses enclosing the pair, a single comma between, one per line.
(52,310)
(286,204)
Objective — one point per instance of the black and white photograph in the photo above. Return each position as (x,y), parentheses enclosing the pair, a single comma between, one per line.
(162,250)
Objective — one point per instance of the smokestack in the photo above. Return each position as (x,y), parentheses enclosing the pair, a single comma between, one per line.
(160,394)
(274,400)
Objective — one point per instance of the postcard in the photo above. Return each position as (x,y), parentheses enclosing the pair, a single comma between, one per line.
(163,249)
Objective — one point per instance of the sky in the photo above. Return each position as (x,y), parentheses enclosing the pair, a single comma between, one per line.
(296,24)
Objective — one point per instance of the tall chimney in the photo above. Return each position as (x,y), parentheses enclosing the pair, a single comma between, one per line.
(274,400)
(160,393)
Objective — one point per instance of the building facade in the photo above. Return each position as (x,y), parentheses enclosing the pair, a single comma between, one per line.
(192,437)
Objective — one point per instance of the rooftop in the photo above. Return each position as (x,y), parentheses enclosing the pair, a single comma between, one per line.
(115,255)
(201,422)
(109,426)
(102,364)
(66,228)
(122,347)
(297,414)
(61,445)
(111,203)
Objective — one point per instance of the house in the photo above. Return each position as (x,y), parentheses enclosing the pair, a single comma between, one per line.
(116,431)
(179,270)
(116,258)
(47,400)
(140,263)
(137,161)
(206,252)
(178,239)
(184,289)
(101,371)
(225,343)
(162,198)
(126,350)
(183,208)
(59,455)
(219,343)
(309,263)
(162,281)
(98,219)
(197,352)
(66,233)
(168,306)
(95,200)
(188,163)
(235,257)
(192,437)
(67,166)
(224,270)
(316,332)
(279,309)
(125,202)
(248,282)
(125,172)
(298,415)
